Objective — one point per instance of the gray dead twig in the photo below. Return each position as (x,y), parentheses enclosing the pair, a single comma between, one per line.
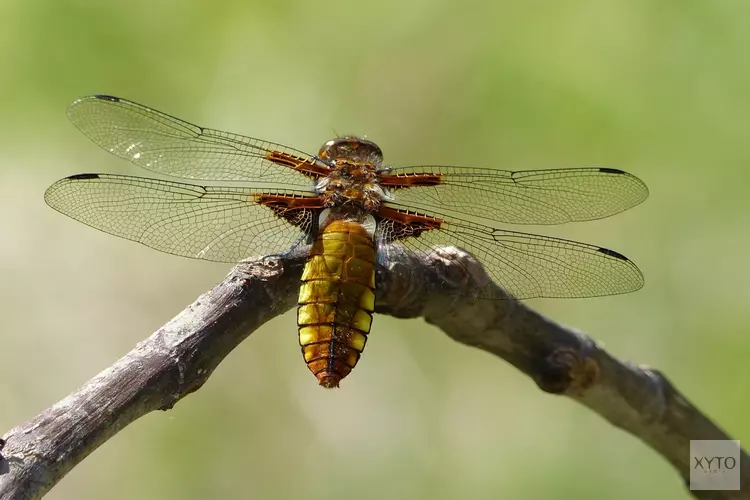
(180,356)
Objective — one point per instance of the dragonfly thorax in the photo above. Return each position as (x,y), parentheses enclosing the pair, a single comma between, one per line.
(353,181)
(352,186)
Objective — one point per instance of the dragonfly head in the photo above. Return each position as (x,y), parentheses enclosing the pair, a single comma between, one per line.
(351,148)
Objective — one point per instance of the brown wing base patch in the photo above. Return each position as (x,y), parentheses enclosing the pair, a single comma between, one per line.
(297,210)
(404,224)
(409,180)
(306,166)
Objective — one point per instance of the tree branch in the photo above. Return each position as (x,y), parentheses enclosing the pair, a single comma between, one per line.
(180,356)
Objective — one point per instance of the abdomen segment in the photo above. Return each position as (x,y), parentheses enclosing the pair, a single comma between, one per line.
(336,300)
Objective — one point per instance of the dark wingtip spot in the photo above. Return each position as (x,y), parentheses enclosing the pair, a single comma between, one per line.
(611,170)
(84,176)
(612,253)
(105,97)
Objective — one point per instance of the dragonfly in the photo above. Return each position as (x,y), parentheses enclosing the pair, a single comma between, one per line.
(350,211)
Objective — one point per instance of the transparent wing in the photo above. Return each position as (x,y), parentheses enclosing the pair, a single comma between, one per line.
(525,265)
(523,197)
(167,145)
(221,224)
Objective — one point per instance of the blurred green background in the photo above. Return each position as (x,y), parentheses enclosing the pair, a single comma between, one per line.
(661,89)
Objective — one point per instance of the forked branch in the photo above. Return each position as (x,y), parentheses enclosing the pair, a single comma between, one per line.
(180,356)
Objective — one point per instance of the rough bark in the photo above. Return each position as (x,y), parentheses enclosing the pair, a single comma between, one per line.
(178,358)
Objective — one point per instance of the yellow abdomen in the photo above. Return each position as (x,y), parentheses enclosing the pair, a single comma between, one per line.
(336,300)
